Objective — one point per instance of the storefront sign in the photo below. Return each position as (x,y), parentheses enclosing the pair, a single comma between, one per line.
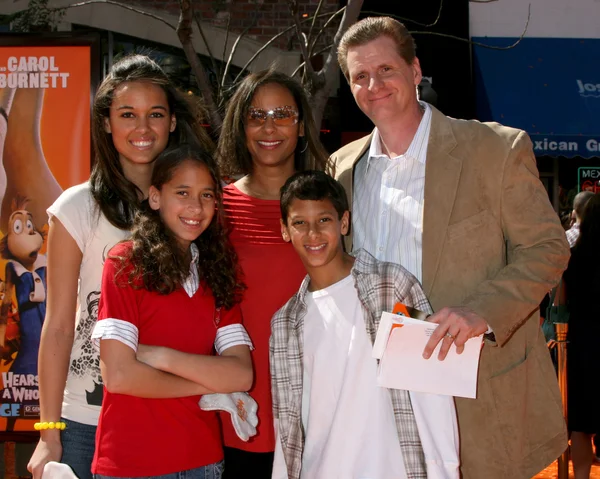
(547,86)
(568,145)
(589,179)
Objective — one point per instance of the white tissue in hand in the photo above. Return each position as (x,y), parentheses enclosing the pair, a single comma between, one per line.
(54,470)
(241,407)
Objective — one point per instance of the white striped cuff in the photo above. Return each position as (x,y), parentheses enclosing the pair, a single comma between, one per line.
(118,329)
(232,335)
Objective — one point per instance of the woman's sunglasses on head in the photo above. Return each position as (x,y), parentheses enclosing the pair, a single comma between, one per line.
(281,116)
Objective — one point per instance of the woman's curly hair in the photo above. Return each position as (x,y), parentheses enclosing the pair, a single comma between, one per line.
(158,263)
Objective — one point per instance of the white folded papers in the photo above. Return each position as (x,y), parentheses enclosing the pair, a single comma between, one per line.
(399,346)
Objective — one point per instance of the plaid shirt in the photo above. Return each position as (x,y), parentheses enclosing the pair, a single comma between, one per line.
(380,286)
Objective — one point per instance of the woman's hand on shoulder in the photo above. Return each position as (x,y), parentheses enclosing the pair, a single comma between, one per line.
(45,452)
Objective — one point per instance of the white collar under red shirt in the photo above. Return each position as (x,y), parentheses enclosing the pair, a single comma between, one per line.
(192,282)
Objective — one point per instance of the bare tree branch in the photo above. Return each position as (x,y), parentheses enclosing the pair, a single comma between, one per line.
(225,43)
(312,25)
(235,45)
(269,43)
(466,40)
(491,47)
(308,69)
(213,62)
(117,4)
(410,20)
(227,30)
(184,32)
(262,49)
(320,32)
(205,41)
(231,53)
(328,73)
(300,67)
(322,50)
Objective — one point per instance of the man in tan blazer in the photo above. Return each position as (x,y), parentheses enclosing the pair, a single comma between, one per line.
(487,243)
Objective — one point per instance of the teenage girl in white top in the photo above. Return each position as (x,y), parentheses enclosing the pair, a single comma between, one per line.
(137,113)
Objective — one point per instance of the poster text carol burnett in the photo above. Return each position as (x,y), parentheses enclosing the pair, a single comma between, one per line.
(32,72)
(31,64)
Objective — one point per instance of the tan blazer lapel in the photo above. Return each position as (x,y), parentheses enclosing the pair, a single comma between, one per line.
(442,173)
(347,164)
(346,177)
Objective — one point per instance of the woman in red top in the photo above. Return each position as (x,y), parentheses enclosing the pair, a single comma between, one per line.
(268,134)
(169,296)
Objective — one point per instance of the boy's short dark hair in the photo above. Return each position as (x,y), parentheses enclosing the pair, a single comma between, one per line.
(313,185)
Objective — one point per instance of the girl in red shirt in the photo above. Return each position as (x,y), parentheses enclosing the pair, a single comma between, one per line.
(169,296)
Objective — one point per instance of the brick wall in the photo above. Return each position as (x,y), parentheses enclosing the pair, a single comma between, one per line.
(264,18)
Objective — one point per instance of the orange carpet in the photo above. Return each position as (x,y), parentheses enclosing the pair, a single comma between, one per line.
(551,472)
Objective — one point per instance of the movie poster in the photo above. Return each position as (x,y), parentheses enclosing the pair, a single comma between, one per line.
(44,149)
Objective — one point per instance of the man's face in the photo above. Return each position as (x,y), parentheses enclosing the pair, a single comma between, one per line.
(382,83)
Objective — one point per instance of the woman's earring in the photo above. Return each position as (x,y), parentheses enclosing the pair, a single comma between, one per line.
(305,144)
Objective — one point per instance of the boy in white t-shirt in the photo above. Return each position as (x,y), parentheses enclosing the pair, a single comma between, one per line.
(332,420)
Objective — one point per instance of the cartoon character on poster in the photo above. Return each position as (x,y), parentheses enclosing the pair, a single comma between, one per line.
(25,279)
(25,285)
(42,89)
(22,266)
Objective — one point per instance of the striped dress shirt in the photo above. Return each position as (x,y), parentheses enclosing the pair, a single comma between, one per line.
(387,207)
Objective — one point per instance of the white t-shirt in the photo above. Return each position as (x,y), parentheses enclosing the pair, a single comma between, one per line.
(349,425)
(348,420)
(95,236)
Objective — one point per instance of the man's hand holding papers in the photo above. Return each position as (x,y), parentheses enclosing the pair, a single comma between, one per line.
(456,326)
(399,346)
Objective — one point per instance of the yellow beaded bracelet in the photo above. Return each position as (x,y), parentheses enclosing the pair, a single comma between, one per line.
(42,426)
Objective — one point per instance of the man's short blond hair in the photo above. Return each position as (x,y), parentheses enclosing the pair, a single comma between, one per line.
(371,28)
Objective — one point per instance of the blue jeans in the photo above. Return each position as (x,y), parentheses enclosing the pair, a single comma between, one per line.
(212,471)
(78,443)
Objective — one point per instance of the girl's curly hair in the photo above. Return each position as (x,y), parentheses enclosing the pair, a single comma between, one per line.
(158,264)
